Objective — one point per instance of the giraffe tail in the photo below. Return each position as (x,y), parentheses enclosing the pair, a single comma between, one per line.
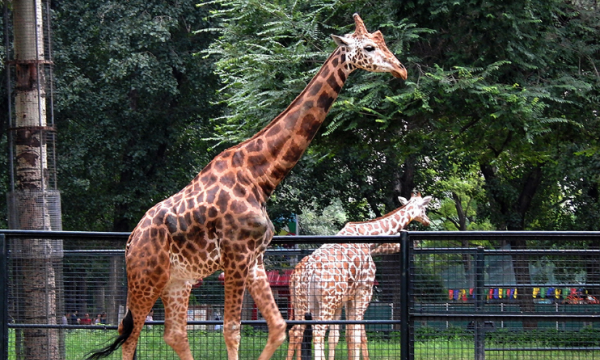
(125,330)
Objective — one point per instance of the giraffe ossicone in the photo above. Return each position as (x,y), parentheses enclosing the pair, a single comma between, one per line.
(342,275)
(219,221)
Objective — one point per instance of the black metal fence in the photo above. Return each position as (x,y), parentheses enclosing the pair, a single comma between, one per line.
(451,295)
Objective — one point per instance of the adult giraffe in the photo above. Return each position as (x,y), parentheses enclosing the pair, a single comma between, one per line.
(343,275)
(219,221)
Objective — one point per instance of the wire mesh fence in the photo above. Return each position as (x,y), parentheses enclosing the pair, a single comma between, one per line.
(519,295)
(449,295)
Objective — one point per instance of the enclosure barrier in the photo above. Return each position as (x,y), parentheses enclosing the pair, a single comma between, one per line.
(450,295)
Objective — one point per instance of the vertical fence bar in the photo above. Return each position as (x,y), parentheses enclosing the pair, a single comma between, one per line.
(479,303)
(405,324)
(3,298)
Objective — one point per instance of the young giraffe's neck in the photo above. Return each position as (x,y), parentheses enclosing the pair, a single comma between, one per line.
(274,150)
(389,224)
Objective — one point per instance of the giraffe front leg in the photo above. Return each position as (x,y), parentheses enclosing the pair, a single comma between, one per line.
(175,298)
(259,288)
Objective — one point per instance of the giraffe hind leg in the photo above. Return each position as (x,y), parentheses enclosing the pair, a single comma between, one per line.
(139,317)
(355,333)
(130,327)
(295,341)
(140,300)
(334,333)
(175,298)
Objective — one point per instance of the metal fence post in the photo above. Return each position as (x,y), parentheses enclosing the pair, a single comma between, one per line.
(479,303)
(405,334)
(3,298)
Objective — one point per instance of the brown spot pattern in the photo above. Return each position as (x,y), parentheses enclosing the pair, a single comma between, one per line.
(219,220)
(346,273)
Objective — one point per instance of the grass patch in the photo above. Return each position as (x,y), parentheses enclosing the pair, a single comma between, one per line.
(451,343)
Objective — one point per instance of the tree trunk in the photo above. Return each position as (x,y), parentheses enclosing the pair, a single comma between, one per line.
(30,197)
(115,291)
(404,181)
(462,226)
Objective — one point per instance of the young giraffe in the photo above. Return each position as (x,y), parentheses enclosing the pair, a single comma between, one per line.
(337,275)
(219,221)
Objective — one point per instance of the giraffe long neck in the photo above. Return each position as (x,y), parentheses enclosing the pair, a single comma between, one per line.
(389,224)
(274,150)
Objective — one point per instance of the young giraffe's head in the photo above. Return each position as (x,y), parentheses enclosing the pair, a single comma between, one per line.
(369,52)
(417,208)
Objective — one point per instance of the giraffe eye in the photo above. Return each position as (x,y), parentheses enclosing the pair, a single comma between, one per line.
(369,48)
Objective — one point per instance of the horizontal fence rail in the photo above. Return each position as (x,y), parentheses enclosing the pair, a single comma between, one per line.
(450,295)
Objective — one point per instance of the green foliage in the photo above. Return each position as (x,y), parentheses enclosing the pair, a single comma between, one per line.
(497,95)
(506,91)
(428,280)
(498,115)
(132,107)
(267,53)
(329,222)
(459,192)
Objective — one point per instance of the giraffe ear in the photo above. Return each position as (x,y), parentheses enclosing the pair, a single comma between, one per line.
(426,200)
(340,40)
(402,200)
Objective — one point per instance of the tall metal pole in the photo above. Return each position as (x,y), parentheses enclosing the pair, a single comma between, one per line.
(9,93)
(405,335)
(479,302)
(3,299)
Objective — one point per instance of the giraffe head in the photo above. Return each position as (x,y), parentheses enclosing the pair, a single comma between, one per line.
(369,52)
(417,208)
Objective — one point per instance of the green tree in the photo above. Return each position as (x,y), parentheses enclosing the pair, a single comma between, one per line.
(328,222)
(509,83)
(133,105)
(459,193)
(513,86)
(267,53)
(497,91)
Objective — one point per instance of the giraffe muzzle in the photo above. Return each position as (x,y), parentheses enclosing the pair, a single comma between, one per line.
(399,71)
